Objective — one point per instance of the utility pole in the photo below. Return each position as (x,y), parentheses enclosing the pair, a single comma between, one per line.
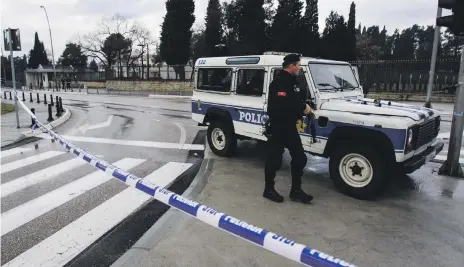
(14,45)
(452,167)
(51,41)
(148,63)
(455,23)
(433,62)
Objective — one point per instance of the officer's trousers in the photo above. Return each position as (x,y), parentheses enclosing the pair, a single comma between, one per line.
(280,139)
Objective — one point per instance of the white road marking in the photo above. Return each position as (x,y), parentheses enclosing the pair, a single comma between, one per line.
(86,126)
(40,176)
(164,175)
(30,160)
(445,135)
(27,212)
(64,245)
(14,151)
(134,143)
(445,152)
(443,158)
(183,135)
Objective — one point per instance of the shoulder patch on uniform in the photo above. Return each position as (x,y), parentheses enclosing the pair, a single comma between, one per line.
(281,93)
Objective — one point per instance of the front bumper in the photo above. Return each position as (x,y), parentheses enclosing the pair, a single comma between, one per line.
(423,158)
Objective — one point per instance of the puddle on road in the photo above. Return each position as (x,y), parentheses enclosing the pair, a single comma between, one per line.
(123,109)
(176,116)
(128,122)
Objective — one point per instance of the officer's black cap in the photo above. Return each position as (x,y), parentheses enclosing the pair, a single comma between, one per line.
(291,58)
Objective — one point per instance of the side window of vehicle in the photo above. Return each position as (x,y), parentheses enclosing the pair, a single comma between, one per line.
(301,79)
(250,82)
(214,79)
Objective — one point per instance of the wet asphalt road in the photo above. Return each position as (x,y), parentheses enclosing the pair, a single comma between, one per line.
(94,118)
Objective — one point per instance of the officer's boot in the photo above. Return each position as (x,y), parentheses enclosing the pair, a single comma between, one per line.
(271,194)
(296,194)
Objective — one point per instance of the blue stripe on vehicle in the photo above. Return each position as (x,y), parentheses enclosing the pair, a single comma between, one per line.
(255,117)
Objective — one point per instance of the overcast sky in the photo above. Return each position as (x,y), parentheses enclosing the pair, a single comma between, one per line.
(71,17)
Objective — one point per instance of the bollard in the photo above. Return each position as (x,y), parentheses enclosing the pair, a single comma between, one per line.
(50,118)
(10,96)
(4,93)
(32,118)
(51,99)
(30,96)
(58,109)
(61,105)
(45,99)
(57,102)
(24,97)
(38,98)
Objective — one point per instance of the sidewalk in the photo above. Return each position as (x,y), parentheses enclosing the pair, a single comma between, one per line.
(10,134)
(417,223)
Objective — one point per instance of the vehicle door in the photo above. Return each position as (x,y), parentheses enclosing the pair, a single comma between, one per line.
(248,99)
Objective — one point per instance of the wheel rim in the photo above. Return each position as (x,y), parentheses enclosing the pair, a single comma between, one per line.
(218,139)
(356,170)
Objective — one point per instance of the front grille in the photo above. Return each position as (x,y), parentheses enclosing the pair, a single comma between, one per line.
(425,133)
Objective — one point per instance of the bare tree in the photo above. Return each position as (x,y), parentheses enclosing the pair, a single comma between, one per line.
(96,44)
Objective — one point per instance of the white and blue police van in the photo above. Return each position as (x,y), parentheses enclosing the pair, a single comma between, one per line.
(367,141)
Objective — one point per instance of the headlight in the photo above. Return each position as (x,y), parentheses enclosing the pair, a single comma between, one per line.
(410,136)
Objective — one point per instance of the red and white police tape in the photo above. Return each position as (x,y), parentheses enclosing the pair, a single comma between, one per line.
(256,235)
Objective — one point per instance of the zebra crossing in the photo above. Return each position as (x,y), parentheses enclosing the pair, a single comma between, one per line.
(443,155)
(29,233)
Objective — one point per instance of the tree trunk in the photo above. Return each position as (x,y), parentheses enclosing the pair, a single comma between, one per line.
(180,72)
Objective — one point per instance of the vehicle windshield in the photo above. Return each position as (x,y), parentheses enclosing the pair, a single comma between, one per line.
(329,77)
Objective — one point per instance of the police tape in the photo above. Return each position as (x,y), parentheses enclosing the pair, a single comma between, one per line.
(256,235)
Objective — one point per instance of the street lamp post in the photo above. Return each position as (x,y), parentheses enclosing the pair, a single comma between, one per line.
(51,41)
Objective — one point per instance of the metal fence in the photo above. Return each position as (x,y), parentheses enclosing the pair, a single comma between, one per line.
(404,76)
(156,72)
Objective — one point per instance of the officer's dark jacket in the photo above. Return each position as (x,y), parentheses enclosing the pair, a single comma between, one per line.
(285,105)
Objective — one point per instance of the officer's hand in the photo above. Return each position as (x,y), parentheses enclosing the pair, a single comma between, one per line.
(307,110)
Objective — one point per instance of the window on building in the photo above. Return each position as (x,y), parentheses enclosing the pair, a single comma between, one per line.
(250,82)
(214,79)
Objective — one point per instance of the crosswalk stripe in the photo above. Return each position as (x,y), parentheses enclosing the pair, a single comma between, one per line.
(163,176)
(64,245)
(40,176)
(443,158)
(30,160)
(14,151)
(25,213)
(461,154)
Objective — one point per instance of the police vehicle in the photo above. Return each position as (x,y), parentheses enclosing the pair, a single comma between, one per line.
(367,141)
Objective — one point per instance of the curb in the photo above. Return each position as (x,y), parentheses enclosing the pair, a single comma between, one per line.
(60,92)
(51,125)
(159,230)
(170,96)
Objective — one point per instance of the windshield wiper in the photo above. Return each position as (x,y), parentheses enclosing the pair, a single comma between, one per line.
(325,85)
(346,87)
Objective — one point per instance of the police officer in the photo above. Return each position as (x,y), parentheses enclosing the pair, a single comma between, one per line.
(285,108)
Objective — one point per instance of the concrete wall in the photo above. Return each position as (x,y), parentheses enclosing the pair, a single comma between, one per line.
(150,86)
(95,84)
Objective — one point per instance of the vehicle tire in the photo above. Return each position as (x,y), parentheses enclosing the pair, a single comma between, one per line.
(222,139)
(358,170)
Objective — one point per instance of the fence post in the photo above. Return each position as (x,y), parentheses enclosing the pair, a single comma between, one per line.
(61,105)
(50,118)
(32,118)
